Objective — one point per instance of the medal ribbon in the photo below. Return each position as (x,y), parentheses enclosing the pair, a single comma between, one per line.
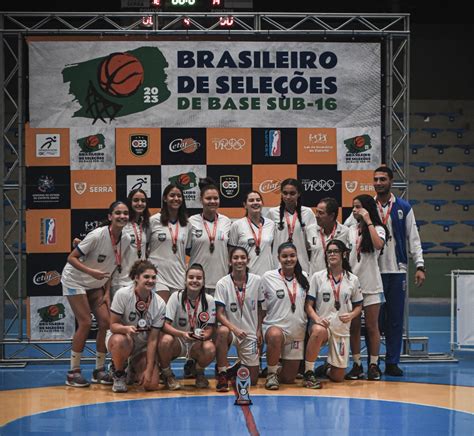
(383,217)
(335,290)
(117,251)
(240,295)
(212,236)
(331,236)
(139,238)
(192,318)
(291,226)
(174,238)
(291,295)
(260,228)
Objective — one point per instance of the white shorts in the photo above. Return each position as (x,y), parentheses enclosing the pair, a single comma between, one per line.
(247,350)
(69,292)
(370,299)
(140,342)
(338,350)
(292,349)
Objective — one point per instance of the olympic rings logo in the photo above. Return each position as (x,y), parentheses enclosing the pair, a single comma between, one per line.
(318,185)
(229,143)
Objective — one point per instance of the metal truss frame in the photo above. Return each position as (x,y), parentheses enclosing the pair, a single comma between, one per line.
(393,31)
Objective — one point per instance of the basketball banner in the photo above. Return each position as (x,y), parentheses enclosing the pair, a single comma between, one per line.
(216,84)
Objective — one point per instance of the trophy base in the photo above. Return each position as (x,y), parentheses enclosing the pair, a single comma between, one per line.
(243,402)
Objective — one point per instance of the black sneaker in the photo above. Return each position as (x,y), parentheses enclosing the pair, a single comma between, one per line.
(322,370)
(263,373)
(374,373)
(222,384)
(232,370)
(393,369)
(189,369)
(310,381)
(356,373)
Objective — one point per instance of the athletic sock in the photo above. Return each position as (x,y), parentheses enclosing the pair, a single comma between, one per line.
(221,369)
(308,366)
(76,359)
(273,369)
(374,359)
(100,360)
(356,359)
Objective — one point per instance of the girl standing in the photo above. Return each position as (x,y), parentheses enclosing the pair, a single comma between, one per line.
(334,300)
(367,239)
(291,221)
(85,281)
(169,238)
(239,301)
(255,234)
(285,319)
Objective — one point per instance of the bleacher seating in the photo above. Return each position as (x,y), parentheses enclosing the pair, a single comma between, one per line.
(415,147)
(433,131)
(421,165)
(448,165)
(437,203)
(440,147)
(464,203)
(456,183)
(429,183)
(446,224)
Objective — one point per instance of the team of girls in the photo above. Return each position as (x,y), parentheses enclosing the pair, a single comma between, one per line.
(255,301)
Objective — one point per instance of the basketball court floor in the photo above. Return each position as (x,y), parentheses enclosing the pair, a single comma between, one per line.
(430,399)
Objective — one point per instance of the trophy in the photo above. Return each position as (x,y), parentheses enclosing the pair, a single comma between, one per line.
(242,384)
(198,332)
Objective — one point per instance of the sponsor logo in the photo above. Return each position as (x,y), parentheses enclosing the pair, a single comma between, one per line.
(182,322)
(272,143)
(233,307)
(91,225)
(198,233)
(358,144)
(48,231)
(52,313)
(101,258)
(365,187)
(142,182)
(318,138)
(186,145)
(228,144)
(229,185)
(268,186)
(118,84)
(80,187)
(326,297)
(251,242)
(48,145)
(45,184)
(50,278)
(280,293)
(400,214)
(351,186)
(139,144)
(161,237)
(185,181)
(318,185)
(91,143)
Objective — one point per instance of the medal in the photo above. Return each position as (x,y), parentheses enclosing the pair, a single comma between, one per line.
(257,239)
(174,236)
(293,307)
(257,250)
(211,235)
(174,248)
(138,238)
(336,291)
(117,250)
(119,269)
(211,247)
(139,252)
(291,294)
(337,305)
(142,307)
(291,225)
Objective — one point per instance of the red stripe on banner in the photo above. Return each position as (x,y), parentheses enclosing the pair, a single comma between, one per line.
(249,420)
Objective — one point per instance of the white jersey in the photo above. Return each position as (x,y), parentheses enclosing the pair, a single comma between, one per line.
(241,235)
(317,246)
(321,292)
(180,318)
(215,264)
(245,318)
(124,305)
(171,266)
(138,237)
(97,253)
(299,233)
(278,305)
(367,269)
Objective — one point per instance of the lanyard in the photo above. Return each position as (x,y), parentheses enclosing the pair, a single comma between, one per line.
(291,295)
(383,217)
(192,318)
(174,238)
(335,290)
(212,236)
(240,295)
(291,226)
(138,238)
(258,239)
(117,251)
(331,236)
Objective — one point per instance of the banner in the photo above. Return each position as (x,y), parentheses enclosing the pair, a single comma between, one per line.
(211,84)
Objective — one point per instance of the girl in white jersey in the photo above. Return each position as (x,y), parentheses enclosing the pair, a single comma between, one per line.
(255,234)
(367,239)
(239,301)
(86,283)
(137,316)
(285,319)
(189,328)
(291,221)
(138,228)
(334,300)
(170,235)
(210,235)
